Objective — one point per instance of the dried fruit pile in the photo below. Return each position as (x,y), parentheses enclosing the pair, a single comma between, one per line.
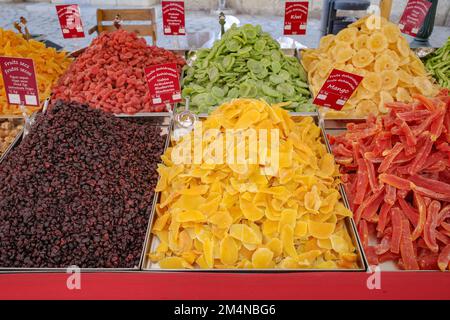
(77,189)
(9,129)
(109,75)
(391,71)
(438,64)
(226,214)
(396,171)
(49,65)
(245,63)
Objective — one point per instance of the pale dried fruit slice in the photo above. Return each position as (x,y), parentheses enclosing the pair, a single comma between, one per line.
(389,79)
(377,42)
(366,107)
(347,35)
(361,42)
(324,67)
(403,46)
(404,78)
(385,62)
(362,58)
(343,54)
(362,93)
(262,258)
(326,41)
(403,95)
(229,251)
(385,97)
(391,32)
(372,82)
(424,85)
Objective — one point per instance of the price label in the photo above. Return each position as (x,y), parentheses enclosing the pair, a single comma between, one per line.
(413,17)
(164,83)
(20,81)
(173,18)
(337,89)
(70,21)
(295,17)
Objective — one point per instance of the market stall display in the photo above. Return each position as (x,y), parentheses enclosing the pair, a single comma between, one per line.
(109,74)
(77,191)
(49,64)
(9,129)
(396,171)
(245,63)
(438,64)
(391,71)
(226,214)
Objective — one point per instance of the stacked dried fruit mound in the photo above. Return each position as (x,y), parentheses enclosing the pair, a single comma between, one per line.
(245,63)
(109,75)
(225,214)
(396,171)
(49,65)
(76,191)
(391,71)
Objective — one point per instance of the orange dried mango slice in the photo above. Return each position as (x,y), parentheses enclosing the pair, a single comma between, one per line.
(229,251)
(174,263)
(262,258)
(320,230)
(244,234)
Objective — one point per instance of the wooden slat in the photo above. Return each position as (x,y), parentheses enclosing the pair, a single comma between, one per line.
(141,30)
(129,14)
(99,20)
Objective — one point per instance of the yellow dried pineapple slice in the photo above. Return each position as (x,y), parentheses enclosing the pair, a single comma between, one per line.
(389,80)
(347,35)
(372,82)
(385,62)
(377,42)
(391,32)
(362,58)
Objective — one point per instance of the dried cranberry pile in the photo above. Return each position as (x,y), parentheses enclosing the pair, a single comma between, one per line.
(109,75)
(77,191)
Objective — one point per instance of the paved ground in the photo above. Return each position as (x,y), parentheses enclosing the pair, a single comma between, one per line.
(199,25)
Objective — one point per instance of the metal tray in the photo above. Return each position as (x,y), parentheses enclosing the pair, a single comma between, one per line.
(152,241)
(334,127)
(165,130)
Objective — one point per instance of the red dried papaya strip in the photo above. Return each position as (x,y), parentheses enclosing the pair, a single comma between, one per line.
(446,226)
(411,140)
(384,246)
(362,182)
(428,103)
(413,115)
(373,182)
(391,195)
(429,232)
(444,258)
(383,217)
(421,157)
(371,209)
(422,216)
(389,156)
(396,218)
(442,238)
(430,193)
(428,261)
(406,247)
(438,186)
(397,182)
(444,214)
(437,125)
(369,201)
(363,231)
(409,212)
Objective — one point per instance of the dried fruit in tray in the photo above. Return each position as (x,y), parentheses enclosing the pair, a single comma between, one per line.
(245,63)
(396,170)
(251,213)
(391,71)
(109,74)
(77,191)
(49,65)
(9,129)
